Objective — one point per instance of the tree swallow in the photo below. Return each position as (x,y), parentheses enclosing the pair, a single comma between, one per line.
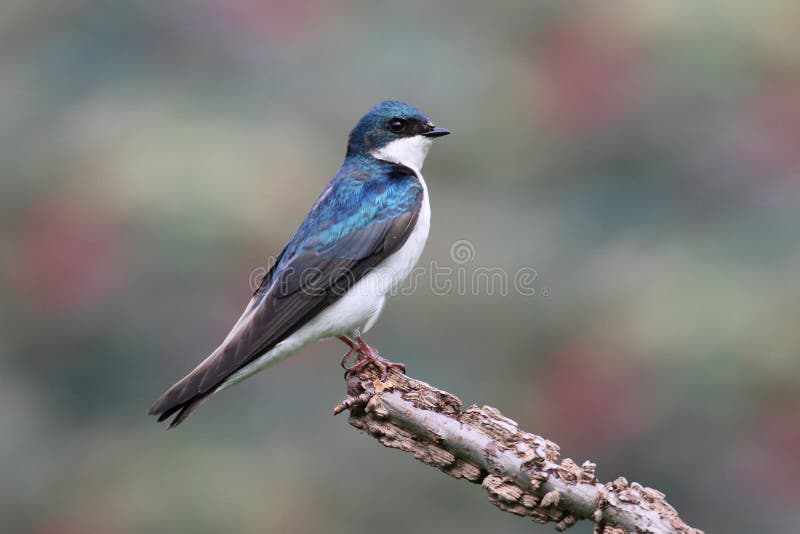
(362,238)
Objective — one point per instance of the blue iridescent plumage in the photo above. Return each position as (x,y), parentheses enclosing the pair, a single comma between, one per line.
(350,203)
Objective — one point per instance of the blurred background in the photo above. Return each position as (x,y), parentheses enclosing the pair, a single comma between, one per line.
(642,157)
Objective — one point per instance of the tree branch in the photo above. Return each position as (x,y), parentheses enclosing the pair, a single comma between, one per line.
(521,471)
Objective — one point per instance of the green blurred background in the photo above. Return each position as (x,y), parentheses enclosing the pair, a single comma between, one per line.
(642,157)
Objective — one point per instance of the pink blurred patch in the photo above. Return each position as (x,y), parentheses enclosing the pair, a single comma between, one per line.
(770,461)
(589,74)
(773,135)
(588,397)
(66,256)
(61,526)
(280,19)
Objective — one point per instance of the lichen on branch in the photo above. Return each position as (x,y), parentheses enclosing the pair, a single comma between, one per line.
(522,472)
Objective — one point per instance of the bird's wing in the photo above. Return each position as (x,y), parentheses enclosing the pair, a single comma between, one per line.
(310,275)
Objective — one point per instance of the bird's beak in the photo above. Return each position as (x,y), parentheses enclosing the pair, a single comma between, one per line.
(437,132)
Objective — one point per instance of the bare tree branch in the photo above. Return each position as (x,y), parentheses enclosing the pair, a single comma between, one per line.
(521,471)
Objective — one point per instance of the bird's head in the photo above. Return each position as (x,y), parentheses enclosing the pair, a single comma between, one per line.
(394,131)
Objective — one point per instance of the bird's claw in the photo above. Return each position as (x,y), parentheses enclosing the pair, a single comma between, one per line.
(365,355)
(347,357)
(378,361)
(368,355)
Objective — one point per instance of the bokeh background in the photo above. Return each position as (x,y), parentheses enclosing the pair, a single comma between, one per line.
(642,157)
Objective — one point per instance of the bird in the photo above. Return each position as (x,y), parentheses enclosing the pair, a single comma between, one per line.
(363,236)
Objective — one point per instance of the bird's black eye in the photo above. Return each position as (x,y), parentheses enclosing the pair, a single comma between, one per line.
(397,125)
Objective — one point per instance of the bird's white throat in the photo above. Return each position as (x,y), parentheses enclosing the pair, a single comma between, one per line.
(408,151)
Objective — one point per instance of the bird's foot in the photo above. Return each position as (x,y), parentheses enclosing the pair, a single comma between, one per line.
(369,355)
(365,355)
(353,350)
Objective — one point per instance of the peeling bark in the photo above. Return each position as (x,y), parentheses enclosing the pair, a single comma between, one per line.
(521,472)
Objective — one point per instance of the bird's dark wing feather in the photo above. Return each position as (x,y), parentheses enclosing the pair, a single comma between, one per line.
(310,281)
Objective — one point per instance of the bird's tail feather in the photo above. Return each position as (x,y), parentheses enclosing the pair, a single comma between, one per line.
(175,400)
(184,410)
(185,396)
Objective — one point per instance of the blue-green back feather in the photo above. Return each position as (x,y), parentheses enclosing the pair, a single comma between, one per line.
(350,203)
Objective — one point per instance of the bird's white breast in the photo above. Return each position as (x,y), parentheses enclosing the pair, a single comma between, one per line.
(410,152)
(396,268)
